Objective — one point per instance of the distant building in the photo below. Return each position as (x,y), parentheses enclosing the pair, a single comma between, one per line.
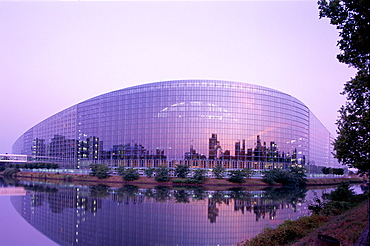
(201,123)
(12,158)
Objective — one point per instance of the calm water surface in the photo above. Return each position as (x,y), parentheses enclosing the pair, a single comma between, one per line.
(48,214)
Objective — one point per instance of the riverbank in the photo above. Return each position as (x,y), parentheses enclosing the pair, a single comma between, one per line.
(347,228)
(117,181)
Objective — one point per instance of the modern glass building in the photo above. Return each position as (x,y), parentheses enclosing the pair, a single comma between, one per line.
(201,123)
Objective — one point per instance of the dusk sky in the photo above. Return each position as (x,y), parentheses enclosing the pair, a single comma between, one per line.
(56,54)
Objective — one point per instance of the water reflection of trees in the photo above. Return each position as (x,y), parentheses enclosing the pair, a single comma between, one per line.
(8,181)
(285,195)
(162,193)
(40,188)
(181,196)
(99,191)
(275,198)
(261,203)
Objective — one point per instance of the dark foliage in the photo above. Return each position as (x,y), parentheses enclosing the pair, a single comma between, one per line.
(182,171)
(336,202)
(218,171)
(129,174)
(100,171)
(199,175)
(238,176)
(352,19)
(295,176)
(9,172)
(162,174)
(149,172)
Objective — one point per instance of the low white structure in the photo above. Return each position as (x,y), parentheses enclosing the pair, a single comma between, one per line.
(13,158)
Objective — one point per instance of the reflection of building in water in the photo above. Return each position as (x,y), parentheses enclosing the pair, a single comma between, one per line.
(129,216)
(243,205)
(212,211)
(233,124)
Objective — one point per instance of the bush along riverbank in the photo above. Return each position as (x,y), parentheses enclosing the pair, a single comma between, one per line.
(100,174)
(341,215)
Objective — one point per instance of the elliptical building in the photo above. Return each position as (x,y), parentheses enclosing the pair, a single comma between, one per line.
(201,123)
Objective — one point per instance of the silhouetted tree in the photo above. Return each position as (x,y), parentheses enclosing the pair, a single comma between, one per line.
(181,171)
(149,172)
(162,174)
(352,18)
(218,171)
(99,170)
(130,174)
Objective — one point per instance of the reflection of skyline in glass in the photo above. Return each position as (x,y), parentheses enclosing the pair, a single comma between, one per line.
(132,216)
(166,120)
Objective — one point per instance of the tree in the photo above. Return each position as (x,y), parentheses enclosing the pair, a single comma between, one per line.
(162,174)
(199,175)
(9,172)
(237,176)
(326,170)
(343,192)
(218,171)
(299,175)
(130,174)
(149,172)
(182,171)
(352,145)
(338,171)
(54,165)
(121,171)
(295,176)
(352,18)
(100,171)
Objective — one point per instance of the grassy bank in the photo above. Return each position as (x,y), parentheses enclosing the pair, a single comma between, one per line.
(340,214)
(346,228)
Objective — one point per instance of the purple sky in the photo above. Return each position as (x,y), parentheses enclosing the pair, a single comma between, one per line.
(56,54)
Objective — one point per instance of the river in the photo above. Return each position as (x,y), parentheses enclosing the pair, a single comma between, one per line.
(49,214)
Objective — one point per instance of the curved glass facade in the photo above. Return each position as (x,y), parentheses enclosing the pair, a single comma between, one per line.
(198,122)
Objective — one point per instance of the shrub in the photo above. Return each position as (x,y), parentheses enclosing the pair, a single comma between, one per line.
(187,181)
(162,174)
(200,175)
(149,172)
(179,181)
(338,171)
(288,232)
(9,172)
(237,176)
(182,171)
(99,170)
(193,181)
(326,170)
(336,202)
(341,193)
(218,171)
(295,176)
(69,178)
(130,174)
